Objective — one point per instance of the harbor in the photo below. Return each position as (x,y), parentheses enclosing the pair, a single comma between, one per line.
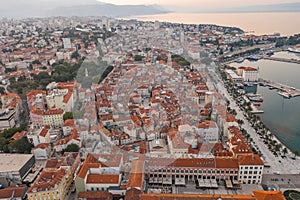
(284,90)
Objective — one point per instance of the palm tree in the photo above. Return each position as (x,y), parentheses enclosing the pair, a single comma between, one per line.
(284,151)
(296,153)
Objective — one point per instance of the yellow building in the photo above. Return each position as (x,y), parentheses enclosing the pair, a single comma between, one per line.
(51,184)
(53,117)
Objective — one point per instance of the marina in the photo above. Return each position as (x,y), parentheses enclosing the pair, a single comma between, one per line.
(284,90)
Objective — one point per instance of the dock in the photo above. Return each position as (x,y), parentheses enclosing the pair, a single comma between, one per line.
(288,60)
(284,90)
(255,110)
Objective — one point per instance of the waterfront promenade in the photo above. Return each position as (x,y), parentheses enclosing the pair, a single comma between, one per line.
(277,164)
(289,60)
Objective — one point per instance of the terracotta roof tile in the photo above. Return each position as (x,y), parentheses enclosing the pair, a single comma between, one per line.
(103,178)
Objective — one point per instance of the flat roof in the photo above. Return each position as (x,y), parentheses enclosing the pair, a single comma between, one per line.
(13,162)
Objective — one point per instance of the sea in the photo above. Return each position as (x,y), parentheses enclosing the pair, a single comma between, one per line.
(256,23)
(281,116)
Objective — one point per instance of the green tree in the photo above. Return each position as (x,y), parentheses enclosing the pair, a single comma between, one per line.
(284,151)
(68,115)
(296,153)
(71,148)
(23,146)
(138,58)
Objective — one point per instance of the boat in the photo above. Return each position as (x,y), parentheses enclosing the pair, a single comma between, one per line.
(240,60)
(262,84)
(285,94)
(257,104)
(255,97)
(269,53)
(253,58)
(295,49)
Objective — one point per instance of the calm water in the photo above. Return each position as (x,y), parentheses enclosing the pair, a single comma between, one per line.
(282,116)
(260,23)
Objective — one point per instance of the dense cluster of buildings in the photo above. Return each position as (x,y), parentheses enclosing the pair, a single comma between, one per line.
(152,126)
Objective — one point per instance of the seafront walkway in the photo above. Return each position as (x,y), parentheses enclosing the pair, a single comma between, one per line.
(288,60)
(278,164)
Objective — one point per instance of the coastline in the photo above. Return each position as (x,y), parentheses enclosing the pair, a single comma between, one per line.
(258,23)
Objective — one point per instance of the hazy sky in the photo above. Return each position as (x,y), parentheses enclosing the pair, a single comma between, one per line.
(200,3)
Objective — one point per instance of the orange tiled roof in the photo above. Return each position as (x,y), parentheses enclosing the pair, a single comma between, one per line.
(136,179)
(54,112)
(19,135)
(104,195)
(47,180)
(103,178)
(195,196)
(44,132)
(12,192)
(41,146)
(207,124)
(250,159)
(268,195)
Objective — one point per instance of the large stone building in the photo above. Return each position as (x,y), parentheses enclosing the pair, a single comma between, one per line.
(15,167)
(51,184)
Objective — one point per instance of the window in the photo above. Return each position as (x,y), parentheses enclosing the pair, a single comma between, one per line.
(245,172)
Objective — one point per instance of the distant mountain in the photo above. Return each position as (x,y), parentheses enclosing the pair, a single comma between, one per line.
(42,8)
(109,10)
(286,7)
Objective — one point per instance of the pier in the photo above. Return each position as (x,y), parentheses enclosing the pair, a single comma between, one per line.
(288,60)
(285,90)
